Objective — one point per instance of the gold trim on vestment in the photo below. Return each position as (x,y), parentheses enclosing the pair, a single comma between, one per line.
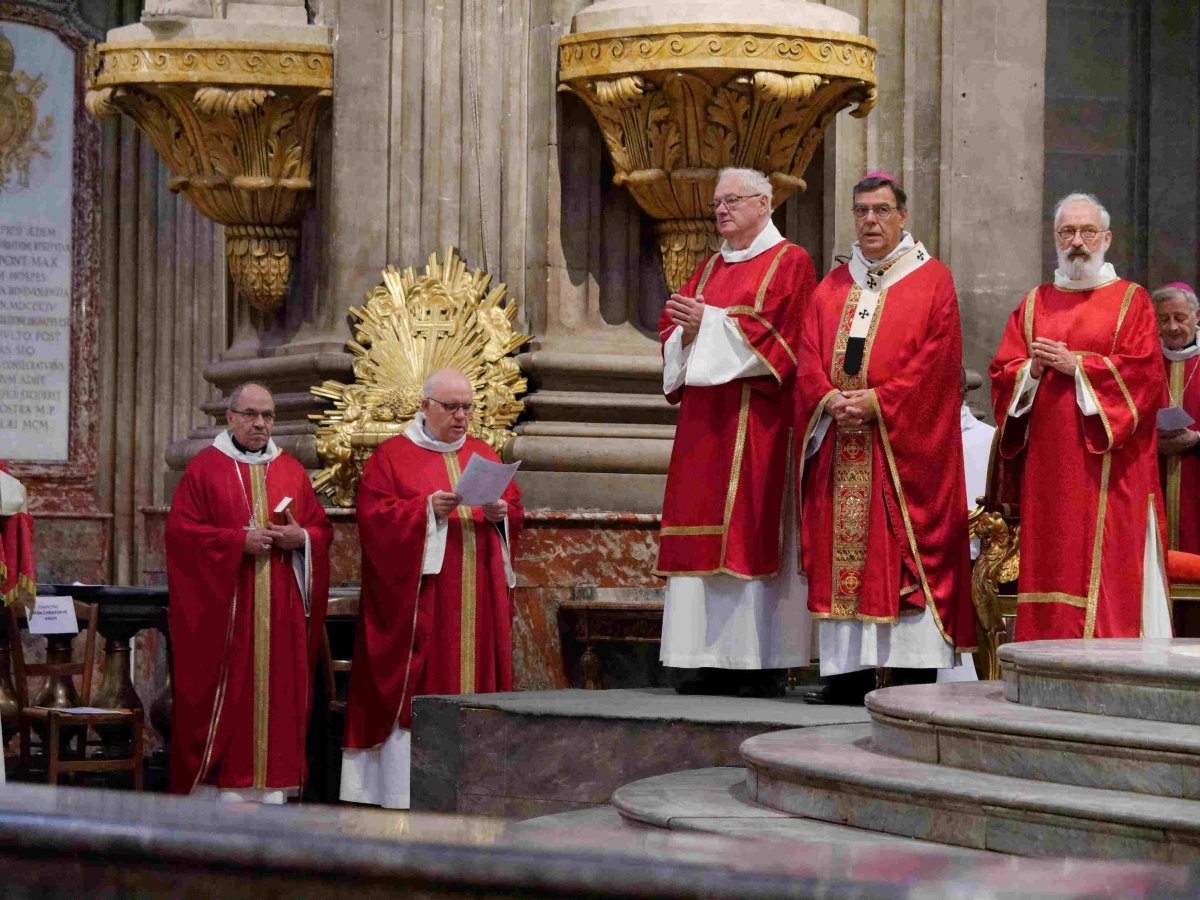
(1029,305)
(1053,597)
(735,473)
(1124,390)
(1095,287)
(222,686)
(1174,479)
(712,261)
(758,302)
(466,633)
(761,296)
(1087,383)
(1089,627)
(262,633)
(1121,317)
(692,529)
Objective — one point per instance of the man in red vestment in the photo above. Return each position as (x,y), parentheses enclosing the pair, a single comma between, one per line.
(435,611)
(1076,386)
(1179,448)
(18,578)
(884,510)
(247,609)
(734,600)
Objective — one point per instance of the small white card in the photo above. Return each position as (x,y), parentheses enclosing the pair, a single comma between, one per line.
(1173,418)
(483,481)
(53,615)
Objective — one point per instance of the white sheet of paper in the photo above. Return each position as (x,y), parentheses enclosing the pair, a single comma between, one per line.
(53,615)
(1172,418)
(86,710)
(483,481)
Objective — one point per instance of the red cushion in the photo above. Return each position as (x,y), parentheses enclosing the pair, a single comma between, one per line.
(1183,568)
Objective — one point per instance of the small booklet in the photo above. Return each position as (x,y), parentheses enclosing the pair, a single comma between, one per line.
(1173,418)
(279,514)
(483,481)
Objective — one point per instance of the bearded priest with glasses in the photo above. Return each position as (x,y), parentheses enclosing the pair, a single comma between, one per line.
(1077,385)
(247,546)
(435,613)
(884,536)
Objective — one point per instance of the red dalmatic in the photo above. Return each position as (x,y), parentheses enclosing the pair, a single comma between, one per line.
(1088,483)
(884,529)
(243,650)
(1181,474)
(18,577)
(448,633)
(723,507)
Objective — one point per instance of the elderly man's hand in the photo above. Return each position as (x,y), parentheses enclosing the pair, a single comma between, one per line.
(1048,354)
(1178,442)
(495,512)
(851,409)
(289,536)
(444,503)
(686,312)
(258,542)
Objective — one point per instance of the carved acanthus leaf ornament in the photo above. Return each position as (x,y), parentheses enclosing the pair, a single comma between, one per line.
(236,126)
(677,106)
(412,325)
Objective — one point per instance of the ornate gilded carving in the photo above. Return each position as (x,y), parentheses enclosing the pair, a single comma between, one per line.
(236,125)
(998,563)
(22,136)
(676,106)
(411,325)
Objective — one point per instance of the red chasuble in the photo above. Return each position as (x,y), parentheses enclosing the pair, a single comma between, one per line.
(884,528)
(243,651)
(1086,482)
(724,499)
(1181,474)
(448,633)
(18,577)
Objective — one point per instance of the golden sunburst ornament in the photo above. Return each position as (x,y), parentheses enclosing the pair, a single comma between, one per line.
(22,136)
(414,324)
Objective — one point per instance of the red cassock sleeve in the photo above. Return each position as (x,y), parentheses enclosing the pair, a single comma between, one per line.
(1005,370)
(1127,384)
(666,327)
(770,330)
(311,516)
(392,518)
(813,385)
(203,565)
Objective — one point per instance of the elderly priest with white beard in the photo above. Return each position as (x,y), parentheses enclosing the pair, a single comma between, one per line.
(1076,386)
(734,601)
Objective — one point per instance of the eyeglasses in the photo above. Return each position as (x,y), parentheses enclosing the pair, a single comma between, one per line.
(1089,234)
(267,415)
(731,202)
(452,408)
(883,212)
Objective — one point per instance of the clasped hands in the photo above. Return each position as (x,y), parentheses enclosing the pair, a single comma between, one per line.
(260,541)
(1048,354)
(851,409)
(1177,442)
(686,312)
(444,502)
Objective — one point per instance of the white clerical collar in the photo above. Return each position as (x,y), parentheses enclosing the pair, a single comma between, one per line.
(1183,353)
(416,433)
(874,275)
(12,496)
(224,443)
(1105,275)
(767,238)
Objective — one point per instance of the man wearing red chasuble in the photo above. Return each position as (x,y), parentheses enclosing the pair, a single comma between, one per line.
(1076,387)
(248,576)
(435,612)
(18,579)
(1179,447)
(734,600)
(884,511)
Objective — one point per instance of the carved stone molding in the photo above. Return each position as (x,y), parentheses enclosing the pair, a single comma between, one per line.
(677,105)
(236,125)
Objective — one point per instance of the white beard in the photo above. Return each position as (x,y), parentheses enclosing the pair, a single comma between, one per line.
(1080,267)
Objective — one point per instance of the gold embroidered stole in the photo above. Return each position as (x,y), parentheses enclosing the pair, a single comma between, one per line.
(852,471)
(466,633)
(262,632)
(1175,384)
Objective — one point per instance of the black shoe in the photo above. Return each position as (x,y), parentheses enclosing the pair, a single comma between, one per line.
(708,682)
(913,676)
(849,689)
(766,683)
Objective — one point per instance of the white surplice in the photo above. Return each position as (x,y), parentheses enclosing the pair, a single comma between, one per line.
(719,621)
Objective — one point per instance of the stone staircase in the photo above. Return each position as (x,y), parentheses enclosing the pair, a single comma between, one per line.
(1087,748)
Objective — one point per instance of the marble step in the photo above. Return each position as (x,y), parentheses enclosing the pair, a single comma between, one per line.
(716,801)
(1139,678)
(833,774)
(969,725)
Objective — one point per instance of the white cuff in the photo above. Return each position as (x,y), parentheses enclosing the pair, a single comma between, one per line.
(720,353)
(12,496)
(435,541)
(1022,399)
(1083,397)
(510,577)
(818,436)
(675,360)
(302,569)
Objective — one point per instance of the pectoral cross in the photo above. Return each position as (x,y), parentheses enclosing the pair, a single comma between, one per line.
(251,526)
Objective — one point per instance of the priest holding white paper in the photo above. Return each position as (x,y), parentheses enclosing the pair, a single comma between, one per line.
(435,610)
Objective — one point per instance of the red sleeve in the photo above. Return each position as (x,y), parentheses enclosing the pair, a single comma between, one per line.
(666,327)
(772,330)
(312,518)
(1004,371)
(1128,384)
(813,386)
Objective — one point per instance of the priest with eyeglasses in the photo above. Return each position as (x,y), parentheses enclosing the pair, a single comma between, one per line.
(1077,385)
(435,613)
(884,522)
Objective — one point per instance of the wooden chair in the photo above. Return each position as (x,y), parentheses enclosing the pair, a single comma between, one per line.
(333,667)
(61,727)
